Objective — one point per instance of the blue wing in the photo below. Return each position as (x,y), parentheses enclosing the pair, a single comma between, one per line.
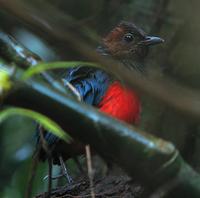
(91,83)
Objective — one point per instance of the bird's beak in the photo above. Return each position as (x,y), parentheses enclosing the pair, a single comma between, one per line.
(151,40)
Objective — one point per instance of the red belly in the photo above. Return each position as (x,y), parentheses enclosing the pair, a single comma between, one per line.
(121,103)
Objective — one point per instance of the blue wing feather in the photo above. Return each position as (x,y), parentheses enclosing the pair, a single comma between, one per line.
(91,83)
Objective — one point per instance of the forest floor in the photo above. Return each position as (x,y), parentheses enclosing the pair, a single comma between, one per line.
(109,186)
(114,184)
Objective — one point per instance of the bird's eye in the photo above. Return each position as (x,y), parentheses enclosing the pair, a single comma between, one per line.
(128,37)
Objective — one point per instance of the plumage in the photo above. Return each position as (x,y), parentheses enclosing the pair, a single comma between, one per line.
(126,43)
(91,83)
(121,103)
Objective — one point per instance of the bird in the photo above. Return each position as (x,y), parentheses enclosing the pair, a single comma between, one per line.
(126,43)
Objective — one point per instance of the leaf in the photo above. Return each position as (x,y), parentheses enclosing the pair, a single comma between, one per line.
(5,83)
(47,123)
(54,65)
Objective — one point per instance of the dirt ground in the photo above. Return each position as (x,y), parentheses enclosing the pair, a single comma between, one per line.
(115,183)
(109,186)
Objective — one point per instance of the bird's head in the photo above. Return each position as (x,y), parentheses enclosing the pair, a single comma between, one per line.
(127,41)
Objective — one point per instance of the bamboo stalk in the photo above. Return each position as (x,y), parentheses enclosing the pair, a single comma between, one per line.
(144,157)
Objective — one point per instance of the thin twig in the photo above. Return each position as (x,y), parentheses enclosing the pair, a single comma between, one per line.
(31,176)
(73,89)
(45,147)
(90,170)
(50,176)
(43,141)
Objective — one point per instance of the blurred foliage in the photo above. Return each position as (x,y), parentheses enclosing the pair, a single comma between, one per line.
(5,83)
(176,21)
(16,146)
(37,69)
(47,123)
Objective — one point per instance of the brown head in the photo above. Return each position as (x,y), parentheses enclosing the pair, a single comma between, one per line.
(127,41)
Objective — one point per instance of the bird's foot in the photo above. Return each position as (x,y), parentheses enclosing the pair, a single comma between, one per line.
(67,176)
(64,173)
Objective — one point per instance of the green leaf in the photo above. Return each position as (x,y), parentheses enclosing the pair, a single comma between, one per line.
(5,83)
(47,123)
(54,65)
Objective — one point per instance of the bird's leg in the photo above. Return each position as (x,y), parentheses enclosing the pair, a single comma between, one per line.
(64,170)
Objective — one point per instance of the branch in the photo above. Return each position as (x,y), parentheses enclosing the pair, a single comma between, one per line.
(12,51)
(16,54)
